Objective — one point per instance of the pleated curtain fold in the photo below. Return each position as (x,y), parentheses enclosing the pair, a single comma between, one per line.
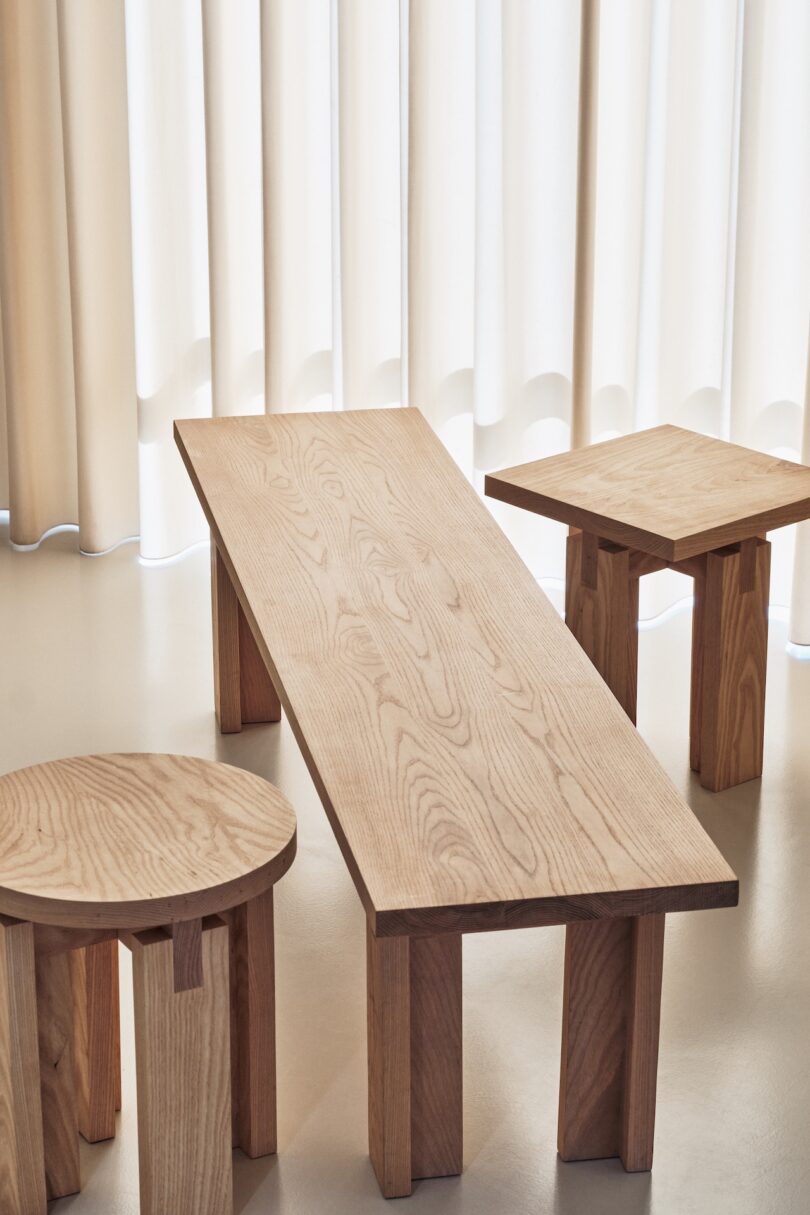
(540,222)
(66,271)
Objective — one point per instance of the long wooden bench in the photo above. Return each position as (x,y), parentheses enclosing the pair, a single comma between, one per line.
(477,772)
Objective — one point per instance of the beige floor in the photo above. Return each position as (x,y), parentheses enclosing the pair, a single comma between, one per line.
(110,654)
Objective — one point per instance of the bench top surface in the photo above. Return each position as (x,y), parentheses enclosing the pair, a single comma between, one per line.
(476,770)
(666,491)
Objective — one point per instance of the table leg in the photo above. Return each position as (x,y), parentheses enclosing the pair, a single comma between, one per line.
(22,1158)
(58,1086)
(253,1026)
(601,610)
(729,656)
(243,690)
(97,1057)
(611,1007)
(182,1059)
(414,1059)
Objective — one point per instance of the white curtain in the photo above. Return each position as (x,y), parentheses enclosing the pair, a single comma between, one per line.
(227,205)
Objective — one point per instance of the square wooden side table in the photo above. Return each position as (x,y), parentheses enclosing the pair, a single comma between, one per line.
(668,497)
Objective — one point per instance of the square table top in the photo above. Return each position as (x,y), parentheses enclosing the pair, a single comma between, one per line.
(666,491)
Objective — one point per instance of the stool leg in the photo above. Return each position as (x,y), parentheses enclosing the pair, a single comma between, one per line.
(601,610)
(696,688)
(243,690)
(59,1120)
(96,1038)
(414,1059)
(22,1158)
(253,1026)
(730,642)
(611,1008)
(183,1072)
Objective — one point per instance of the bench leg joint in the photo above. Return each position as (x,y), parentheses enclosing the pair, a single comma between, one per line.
(415,1059)
(611,1012)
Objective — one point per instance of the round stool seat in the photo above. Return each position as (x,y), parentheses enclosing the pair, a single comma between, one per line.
(137,841)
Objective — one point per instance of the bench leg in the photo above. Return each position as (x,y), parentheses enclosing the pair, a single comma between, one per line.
(243,690)
(97,1051)
(601,610)
(611,1008)
(182,1059)
(729,656)
(414,1059)
(253,1026)
(59,1117)
(22,1159)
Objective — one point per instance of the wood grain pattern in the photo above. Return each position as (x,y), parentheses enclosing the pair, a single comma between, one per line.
(96,1050)
(414,1059)
(243,690)
(132,841)
(225,627)
(183,1074)
(258,699)
(601,610)
(389,1063)
(253,1026)
(49,939)
(472,763)
(593,1039)
(437,1119)
(733,641)
(58,1085)
(666,491)
(696,683)
(641,1056)
(187,954)
(611,1010)
(116,1014)
(22,1161)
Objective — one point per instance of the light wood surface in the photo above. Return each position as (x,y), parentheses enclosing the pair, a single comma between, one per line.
(187,953)
(97,1061)
(132,841)
(22,1162)
(389,1063)
(611,1013)
(437,1139)
(477,772)
(243,690)
(696,682)
(58,1085)
(666,491)
(415,1120)
(258,700)
(641,1052)
(732,638)
(253,1026)
(601,610)
(183,1072)
(225,624)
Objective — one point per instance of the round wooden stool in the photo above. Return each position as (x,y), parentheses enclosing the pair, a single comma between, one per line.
(177,858)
